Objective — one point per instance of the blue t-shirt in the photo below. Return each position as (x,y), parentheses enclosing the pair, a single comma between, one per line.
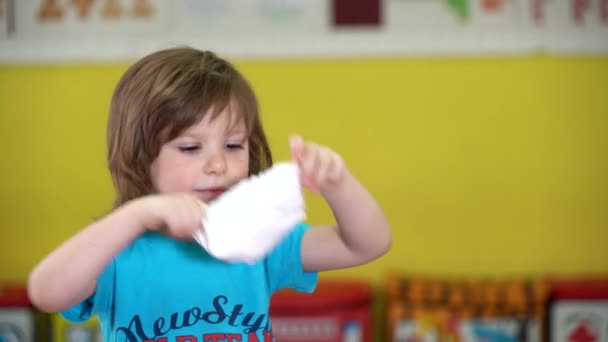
(163,290)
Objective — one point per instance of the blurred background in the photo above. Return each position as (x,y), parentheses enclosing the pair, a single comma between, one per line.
(479,125)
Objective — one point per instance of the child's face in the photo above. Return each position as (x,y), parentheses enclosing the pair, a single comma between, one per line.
(206,159)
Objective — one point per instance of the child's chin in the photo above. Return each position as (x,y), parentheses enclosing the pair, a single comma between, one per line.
(210,200)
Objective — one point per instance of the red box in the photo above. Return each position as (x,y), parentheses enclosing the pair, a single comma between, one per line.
(578,311)
(19,321)
(338,311)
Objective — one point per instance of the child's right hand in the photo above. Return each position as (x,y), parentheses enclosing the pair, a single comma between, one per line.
(176,215)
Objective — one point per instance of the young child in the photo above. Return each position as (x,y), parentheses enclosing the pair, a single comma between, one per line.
(183,128)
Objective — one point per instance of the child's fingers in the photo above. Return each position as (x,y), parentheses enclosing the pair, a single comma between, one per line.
(310,185)
(296,145)
(324,166)
(311,160)
(307,167)
(337,169)
(184,216)
(198,210)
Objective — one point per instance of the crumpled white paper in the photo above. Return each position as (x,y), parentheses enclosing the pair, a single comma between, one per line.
(249,220)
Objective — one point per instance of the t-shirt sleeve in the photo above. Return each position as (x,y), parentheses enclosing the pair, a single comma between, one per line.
(100,302)
(284,264)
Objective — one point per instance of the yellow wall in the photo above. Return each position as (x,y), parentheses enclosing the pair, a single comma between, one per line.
(484,166)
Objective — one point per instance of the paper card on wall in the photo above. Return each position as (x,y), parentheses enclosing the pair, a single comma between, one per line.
(548,16)
(249,19)
(498,15)
(3,21)
(571,15)
(357,13)
(202,12)
(461,7)
(281,10)
(430,16)
(591,15)
(292,17)
(560,15)
(90,19)
(536,13)
(566,25)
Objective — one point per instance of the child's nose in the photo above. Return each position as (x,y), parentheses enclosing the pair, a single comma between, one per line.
(216,164)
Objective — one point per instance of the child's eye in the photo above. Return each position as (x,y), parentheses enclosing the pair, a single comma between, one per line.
(234,146)
(189,148)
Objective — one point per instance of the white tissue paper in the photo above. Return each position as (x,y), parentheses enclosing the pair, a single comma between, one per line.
(249,220)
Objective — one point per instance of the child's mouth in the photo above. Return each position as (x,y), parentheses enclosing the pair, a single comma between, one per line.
(208,194)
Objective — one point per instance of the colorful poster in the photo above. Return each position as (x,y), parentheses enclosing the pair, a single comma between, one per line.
(120,29)
(456,17)
(91,19)
(249,20)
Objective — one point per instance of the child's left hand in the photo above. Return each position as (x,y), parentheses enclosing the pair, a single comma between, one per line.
(320,167)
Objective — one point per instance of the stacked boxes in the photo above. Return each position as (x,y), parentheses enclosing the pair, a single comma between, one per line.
(428,310)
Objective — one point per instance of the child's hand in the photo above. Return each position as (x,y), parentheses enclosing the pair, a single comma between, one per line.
(320,167)
(176,215)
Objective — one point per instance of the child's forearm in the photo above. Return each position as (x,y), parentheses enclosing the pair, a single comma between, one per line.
(69,274)
(361,222)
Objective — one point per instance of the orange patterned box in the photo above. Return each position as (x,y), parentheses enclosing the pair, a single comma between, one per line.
(429,309)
